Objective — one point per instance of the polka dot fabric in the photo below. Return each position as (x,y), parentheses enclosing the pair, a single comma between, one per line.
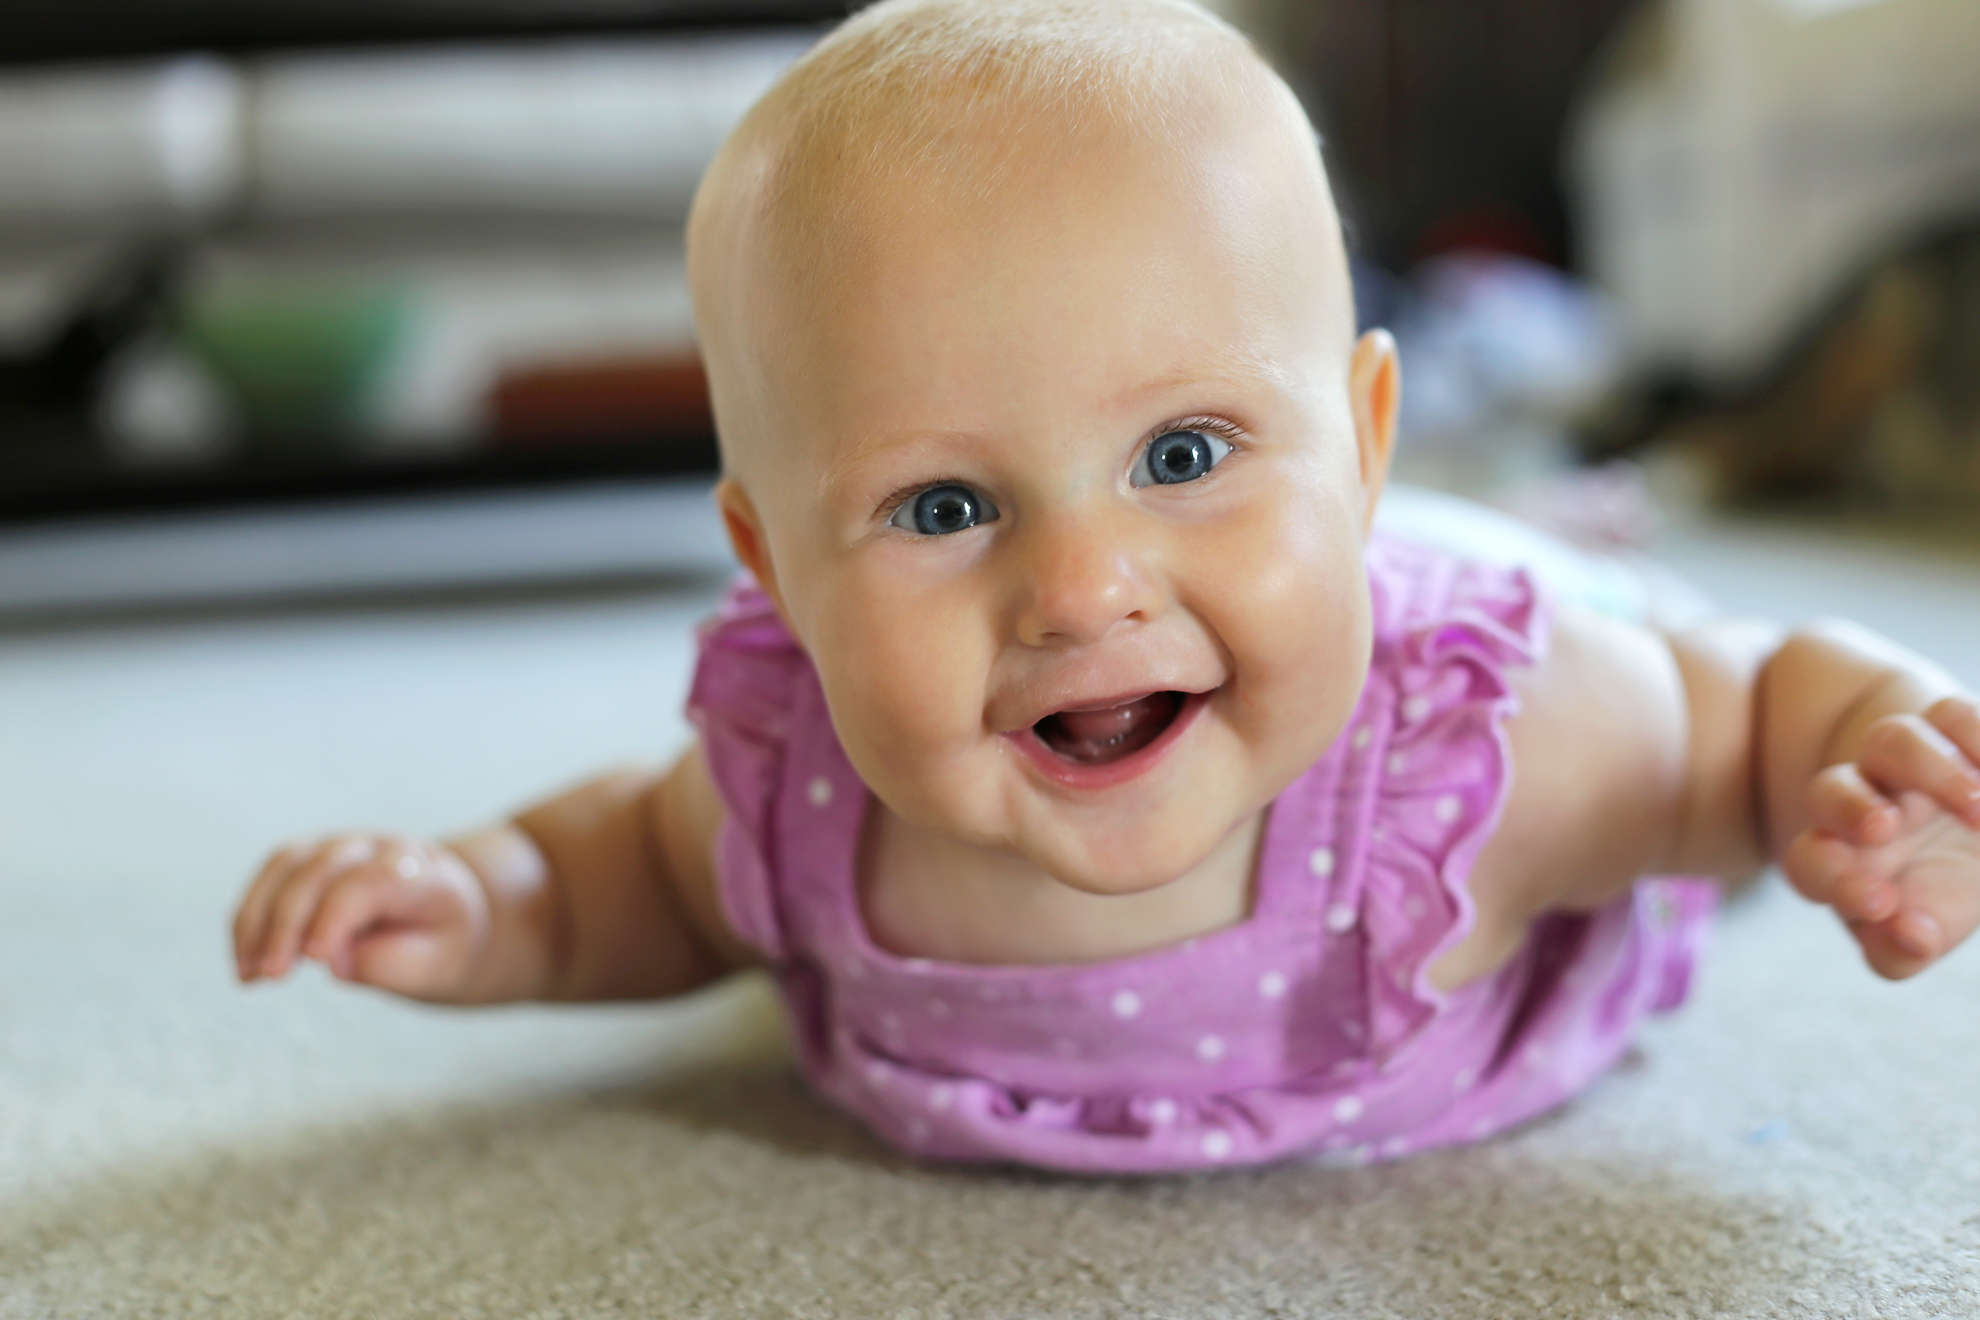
(1307,1029)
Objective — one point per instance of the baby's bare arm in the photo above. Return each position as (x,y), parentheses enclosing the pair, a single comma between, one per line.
(1608,783)
(606,891)
(1695,753)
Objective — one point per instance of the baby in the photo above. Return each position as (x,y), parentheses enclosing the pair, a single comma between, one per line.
(1100,792)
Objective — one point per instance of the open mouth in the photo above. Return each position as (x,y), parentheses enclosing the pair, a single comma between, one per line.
(1099,737)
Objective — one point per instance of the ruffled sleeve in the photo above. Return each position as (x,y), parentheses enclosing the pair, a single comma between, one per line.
(1444,778)
(746,676)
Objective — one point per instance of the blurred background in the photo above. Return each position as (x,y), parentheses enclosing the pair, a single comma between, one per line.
(299,297)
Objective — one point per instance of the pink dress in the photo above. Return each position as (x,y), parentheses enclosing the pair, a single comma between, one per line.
(1309,1028)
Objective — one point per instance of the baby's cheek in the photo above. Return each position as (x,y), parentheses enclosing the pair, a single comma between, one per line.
(901,698)
(1302,598)
(1299,639)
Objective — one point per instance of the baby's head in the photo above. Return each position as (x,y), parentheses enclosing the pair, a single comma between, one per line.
(1031,345)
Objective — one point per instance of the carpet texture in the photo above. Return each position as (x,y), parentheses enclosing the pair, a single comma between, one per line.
(1802,1140)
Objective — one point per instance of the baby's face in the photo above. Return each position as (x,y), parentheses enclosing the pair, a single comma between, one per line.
(1068,502)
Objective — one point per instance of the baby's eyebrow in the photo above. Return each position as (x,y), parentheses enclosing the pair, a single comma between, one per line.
(864,451)
(1232,366)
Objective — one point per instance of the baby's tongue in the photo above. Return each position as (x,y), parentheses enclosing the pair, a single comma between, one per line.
(1107,735)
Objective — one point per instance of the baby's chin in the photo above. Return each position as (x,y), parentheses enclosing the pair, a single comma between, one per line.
(1212,820)
(1111,880)
(1119,868)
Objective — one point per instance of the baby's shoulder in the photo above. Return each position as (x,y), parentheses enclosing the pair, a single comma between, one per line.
(1587,715)
(1427,602)
(1596,755)
(752,691)
(754,705)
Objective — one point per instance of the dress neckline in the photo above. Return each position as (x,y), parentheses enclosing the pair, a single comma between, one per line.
(1289,824)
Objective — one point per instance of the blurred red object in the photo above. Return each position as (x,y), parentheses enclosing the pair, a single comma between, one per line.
(632,398)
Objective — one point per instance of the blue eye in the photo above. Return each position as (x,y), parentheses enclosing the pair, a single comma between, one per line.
(1178,456)
(940,510)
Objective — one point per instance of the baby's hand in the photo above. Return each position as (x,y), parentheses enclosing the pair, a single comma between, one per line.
(1893,839)
(400,914)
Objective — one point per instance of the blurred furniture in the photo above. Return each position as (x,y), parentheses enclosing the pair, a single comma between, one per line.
(1738,165)
(256,254)
(1444,119)
(1781,200)
(70,30)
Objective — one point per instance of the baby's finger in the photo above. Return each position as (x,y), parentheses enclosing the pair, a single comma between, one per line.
(298,899)
(1906,752)
(1843,803)
(1958,718)
(1829,871)
(1940,910)
(409,961)
(1887,957)
(352,900)
(252,913)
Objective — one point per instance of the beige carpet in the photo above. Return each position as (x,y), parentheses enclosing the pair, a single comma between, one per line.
(1802,1141)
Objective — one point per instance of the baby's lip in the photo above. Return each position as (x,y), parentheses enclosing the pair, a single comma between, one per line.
(1108,703)
(1082,701)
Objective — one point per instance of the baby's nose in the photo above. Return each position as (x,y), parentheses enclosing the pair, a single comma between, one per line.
(1083,576)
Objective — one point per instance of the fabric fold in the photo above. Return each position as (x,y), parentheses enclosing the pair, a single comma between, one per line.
(741,702)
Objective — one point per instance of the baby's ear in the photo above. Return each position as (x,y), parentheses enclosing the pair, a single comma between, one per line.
(1375,391)
(745,528)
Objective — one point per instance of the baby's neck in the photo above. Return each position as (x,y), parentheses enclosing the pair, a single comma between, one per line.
(927,895)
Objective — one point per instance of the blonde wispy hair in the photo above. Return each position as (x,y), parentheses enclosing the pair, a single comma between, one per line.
(955,99)
(884,91)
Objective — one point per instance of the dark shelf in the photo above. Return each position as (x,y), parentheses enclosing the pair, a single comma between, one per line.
(50,491)
(61,30)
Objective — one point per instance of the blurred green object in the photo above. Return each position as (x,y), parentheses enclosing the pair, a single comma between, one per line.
(300,360)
